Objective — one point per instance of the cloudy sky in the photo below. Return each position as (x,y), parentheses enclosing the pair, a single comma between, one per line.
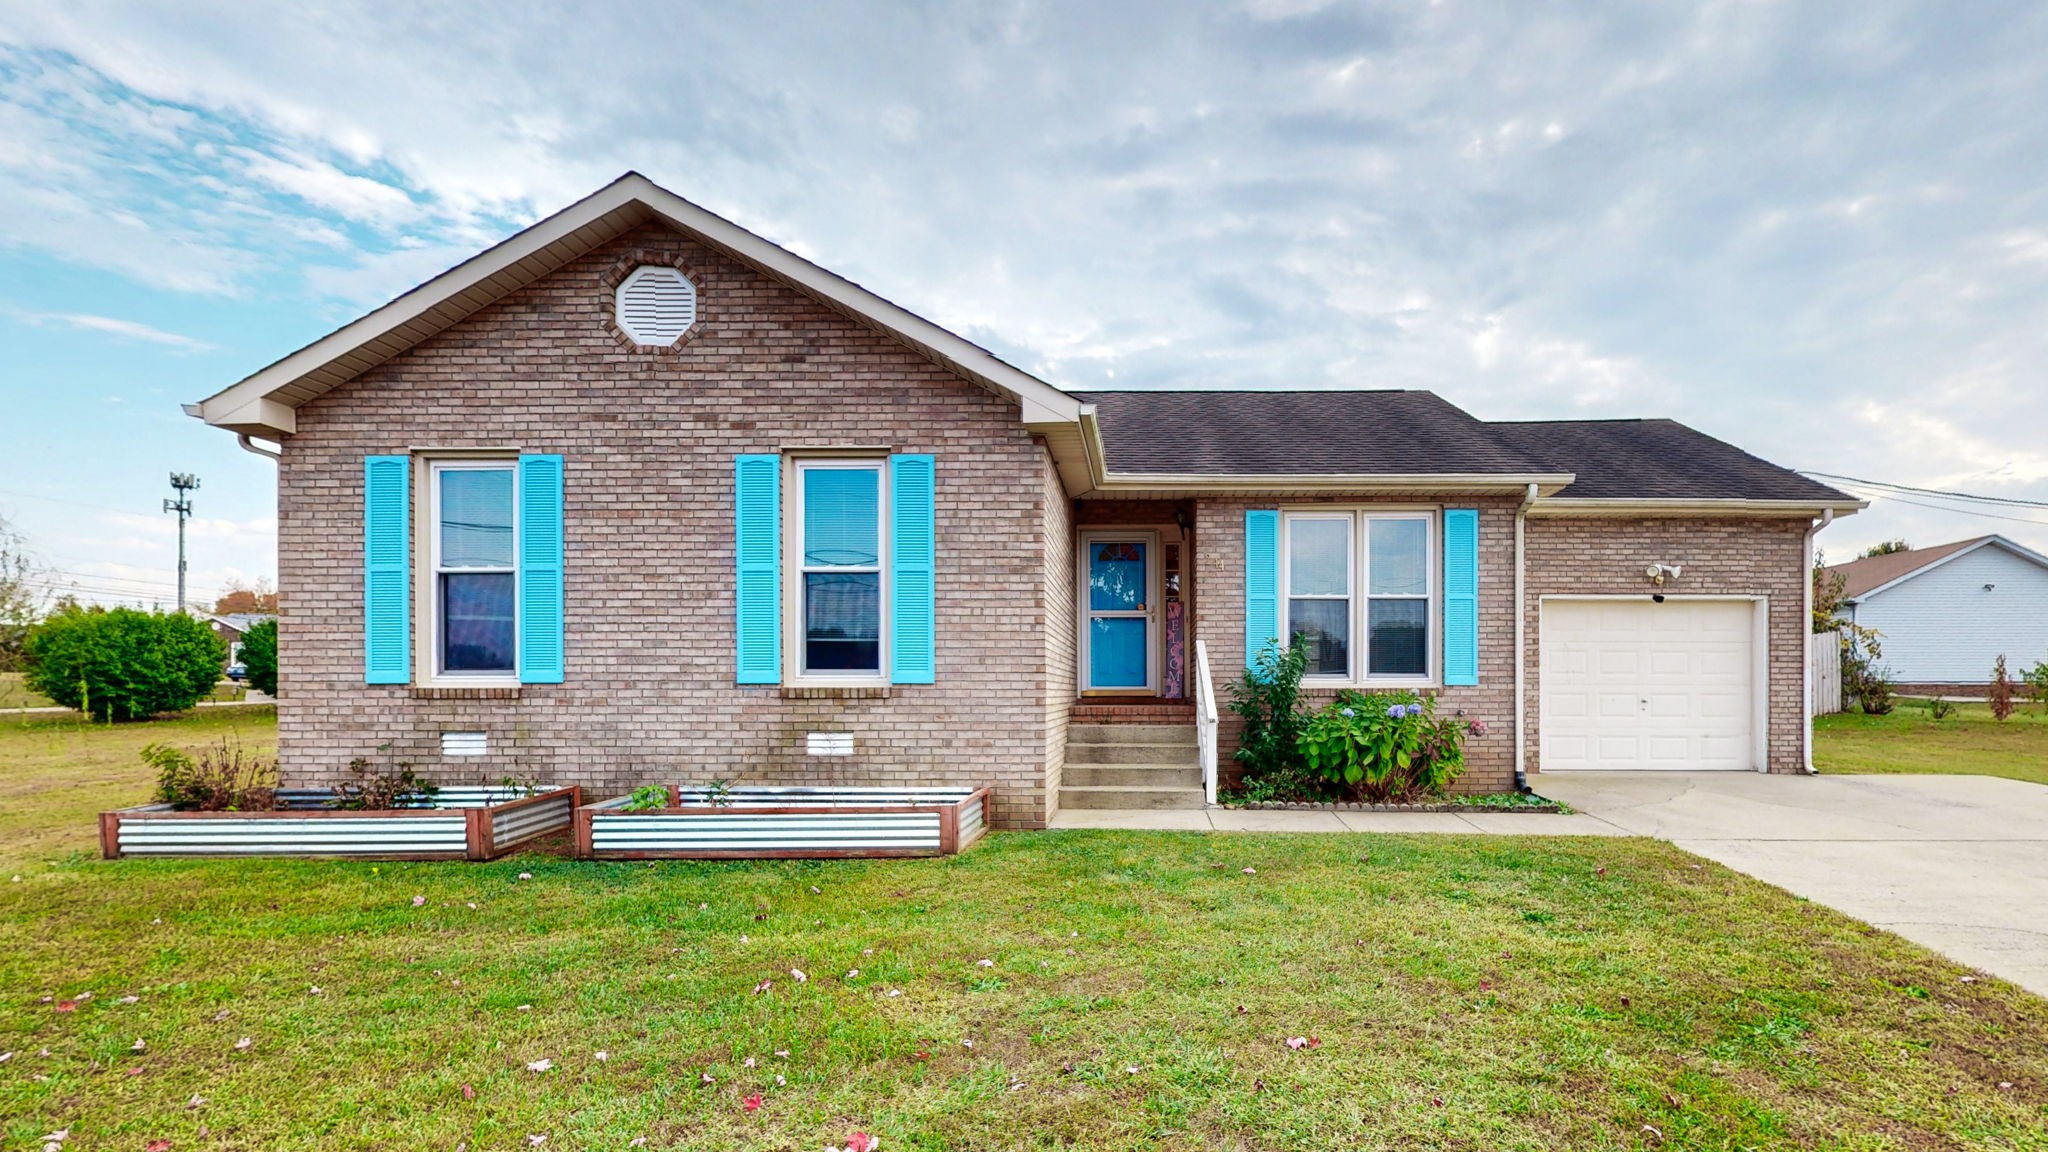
(1819,231)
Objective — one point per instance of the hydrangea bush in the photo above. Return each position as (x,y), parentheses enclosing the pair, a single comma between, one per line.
(1386,747)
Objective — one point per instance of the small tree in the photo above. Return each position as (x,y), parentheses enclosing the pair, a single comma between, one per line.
(1886,548)
(1268,698)
(21,602)
(2036,679)
(240,597)
(2001,690)
(121,664)
(259,656)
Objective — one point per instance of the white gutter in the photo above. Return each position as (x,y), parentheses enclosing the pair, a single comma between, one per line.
(249,445)
(1521,660)
(1827,517)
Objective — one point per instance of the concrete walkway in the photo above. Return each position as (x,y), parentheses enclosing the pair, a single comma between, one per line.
(1956,863)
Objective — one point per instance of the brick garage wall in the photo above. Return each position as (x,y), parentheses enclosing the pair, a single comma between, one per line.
(1605,556)
(649,439)
(1061,628)
(1219,573)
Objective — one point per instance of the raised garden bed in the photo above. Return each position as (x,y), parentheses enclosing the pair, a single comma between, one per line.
(469,823)
(751,822)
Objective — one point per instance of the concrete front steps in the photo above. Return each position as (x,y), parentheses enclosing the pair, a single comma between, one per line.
(1126,765)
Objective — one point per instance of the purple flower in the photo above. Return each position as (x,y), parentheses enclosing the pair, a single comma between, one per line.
(1347,713)
(1396,711)
(1415,709)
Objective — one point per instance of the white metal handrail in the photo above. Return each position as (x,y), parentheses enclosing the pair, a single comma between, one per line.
(1205,719)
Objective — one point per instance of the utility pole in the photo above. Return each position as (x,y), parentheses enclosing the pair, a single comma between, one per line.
(182,483)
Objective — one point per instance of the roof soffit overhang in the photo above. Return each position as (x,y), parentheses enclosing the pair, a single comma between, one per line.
(262,404)
(1557,506)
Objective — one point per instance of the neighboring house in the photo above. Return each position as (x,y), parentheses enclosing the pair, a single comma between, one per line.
(639,496)
(1948,612)
(232,626)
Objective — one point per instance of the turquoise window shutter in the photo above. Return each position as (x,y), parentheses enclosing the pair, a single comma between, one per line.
(1261,582)
(913,557)
(387,580)
(1461,596)
(540,570)
(757,514)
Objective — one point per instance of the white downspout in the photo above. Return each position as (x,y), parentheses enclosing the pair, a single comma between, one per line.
(1521,661)
(1827,517)
(249,445)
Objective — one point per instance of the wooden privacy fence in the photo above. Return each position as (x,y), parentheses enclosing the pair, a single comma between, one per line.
(1824,685)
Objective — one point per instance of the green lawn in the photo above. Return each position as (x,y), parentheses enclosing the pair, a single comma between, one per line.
(1119,990)
(1908,740)
(15,694)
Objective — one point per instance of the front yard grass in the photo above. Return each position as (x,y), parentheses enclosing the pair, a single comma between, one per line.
(1910,741)
(1074,990)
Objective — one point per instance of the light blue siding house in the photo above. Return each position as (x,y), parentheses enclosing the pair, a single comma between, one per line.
(1948,612)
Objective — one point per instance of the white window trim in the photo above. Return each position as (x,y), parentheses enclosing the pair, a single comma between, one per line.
(1360,596)
(794,674)
(434,676)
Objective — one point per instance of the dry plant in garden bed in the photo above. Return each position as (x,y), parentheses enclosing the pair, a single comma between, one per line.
(225,802)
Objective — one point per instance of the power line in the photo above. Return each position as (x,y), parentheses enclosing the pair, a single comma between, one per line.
(1957,511)
(2013,500)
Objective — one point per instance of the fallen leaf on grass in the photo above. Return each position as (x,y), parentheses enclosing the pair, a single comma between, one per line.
(540,1065)
(468,1093)
(752,1103)
(129,1000)
(419,901)
(67,1005)
(602,1055)
(196,1101)
(985,963)
(157,1146)
(707,1079)
(138,1046)
(797,974)
(637,1142)
(1251,871)
(243,1044)
(763,987)
(1299,1042)
(536,1139)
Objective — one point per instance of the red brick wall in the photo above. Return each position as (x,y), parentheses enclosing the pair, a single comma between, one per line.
(1219,573)
(648,439)
(1607,555)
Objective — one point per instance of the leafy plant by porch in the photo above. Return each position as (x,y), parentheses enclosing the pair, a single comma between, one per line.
(1099,990)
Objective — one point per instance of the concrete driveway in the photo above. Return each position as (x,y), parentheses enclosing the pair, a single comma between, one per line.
(1957,863)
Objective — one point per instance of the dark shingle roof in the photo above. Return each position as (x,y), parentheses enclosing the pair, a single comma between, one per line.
(1657,459)
(1412,432)
(1297,433)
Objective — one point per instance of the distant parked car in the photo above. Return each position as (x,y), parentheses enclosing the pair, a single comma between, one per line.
(238,672)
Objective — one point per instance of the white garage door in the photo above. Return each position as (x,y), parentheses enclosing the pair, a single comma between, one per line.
(1632,684)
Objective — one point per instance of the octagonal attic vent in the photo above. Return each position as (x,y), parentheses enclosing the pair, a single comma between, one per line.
(657,304)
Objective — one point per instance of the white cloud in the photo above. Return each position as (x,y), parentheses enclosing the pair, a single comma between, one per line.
(125,329)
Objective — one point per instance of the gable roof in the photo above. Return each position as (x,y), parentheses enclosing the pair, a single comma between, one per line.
(1872,574)
(1659,460)
(1291,433)
(262,404)
(1576,464)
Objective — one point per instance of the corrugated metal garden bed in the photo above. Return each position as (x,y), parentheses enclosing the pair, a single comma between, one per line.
(751,822)
(468,823)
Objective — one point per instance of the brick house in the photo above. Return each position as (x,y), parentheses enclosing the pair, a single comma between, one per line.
(638,496)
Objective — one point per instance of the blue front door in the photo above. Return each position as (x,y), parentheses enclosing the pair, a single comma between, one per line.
(1119,614)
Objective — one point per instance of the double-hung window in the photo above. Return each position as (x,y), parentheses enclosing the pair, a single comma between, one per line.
(839,575)
(474,538)
(1360,594)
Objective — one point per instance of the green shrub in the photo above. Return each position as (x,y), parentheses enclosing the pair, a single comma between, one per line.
(1940,708)
(1267,697)
(2036,680)
(224,778)
(1386,746)
(121,664)
(259,656)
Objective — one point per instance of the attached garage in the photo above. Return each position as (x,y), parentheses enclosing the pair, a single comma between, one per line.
(1631,684)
